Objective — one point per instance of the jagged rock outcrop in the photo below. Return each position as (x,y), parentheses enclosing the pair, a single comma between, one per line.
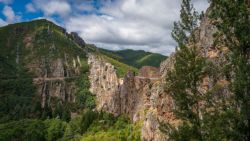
(104,84)
(77,39)
(142,98)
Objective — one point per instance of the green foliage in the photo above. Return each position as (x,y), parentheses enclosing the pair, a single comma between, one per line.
(183,80)
(21,116)
(16,92)
(121,68)
(84,98)
(33,130)
(73,130)
(87,120)
(135,58)
(232,20)
(55,129)
(28,130)
(108,128)
(22,46)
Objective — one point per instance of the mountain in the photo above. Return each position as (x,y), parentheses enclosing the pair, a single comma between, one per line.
(41,61)
(55,86)
(135,58)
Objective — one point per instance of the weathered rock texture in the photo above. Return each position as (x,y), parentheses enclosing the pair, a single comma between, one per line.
(142,98)
(104,84)
(54,78)
(149,72)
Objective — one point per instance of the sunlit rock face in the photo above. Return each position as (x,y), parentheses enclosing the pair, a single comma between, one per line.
(140,98)
(143,98)
(104,84)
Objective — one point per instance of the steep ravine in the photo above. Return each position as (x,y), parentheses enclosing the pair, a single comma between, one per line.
(140,98)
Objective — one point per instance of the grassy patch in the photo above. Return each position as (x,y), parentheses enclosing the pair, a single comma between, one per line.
(121,68)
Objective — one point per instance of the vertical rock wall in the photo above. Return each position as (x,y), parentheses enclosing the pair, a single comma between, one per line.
(139,98)
(143,98)
(54,78)
(104,84)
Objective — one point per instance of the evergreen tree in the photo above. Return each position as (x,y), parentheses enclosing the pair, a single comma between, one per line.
(184,79)
(232,20)
(47,111)
(66,115)
(57,113)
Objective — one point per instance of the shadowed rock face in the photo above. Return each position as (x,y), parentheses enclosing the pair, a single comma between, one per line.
(50,79)
(77,39)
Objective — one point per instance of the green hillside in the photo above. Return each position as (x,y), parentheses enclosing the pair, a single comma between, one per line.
(121,67)
(135,58)
(32,50)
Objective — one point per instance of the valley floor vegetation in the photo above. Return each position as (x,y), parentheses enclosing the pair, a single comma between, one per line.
(22,117)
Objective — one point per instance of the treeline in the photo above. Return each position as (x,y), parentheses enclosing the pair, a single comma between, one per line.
(19,99)
(87,126)
(211,114)
(23,118)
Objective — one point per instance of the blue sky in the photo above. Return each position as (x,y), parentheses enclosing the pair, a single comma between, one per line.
(111,24)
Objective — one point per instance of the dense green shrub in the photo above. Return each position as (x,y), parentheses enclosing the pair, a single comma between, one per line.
(84,98)
(55,129)
(108,128)
(23,130)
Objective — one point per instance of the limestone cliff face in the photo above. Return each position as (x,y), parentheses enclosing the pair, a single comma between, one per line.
(142,98)
(50,54)
(163,104)
(52,78)
(104,84)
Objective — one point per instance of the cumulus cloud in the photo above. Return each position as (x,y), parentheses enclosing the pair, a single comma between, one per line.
(134,24)
(53,7)
(117,24)
(10,14)
(30,7)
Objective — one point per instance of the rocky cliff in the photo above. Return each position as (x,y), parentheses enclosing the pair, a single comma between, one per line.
(54,57)
(105,84)
(50,54)
(142,98)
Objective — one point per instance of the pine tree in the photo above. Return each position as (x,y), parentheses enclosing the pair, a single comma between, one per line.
(57,113)
(184,79)
(66,115)
(232,18)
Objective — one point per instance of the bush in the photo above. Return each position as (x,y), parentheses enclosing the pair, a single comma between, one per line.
(24,130)
(55,129)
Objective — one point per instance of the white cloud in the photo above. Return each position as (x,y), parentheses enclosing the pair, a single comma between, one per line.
(6,1)
(119,24)
(53,7)
(84,6)
(10,14)
(135,24)
(2,22)
(30,7)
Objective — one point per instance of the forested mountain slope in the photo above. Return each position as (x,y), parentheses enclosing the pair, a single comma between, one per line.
(136,58)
